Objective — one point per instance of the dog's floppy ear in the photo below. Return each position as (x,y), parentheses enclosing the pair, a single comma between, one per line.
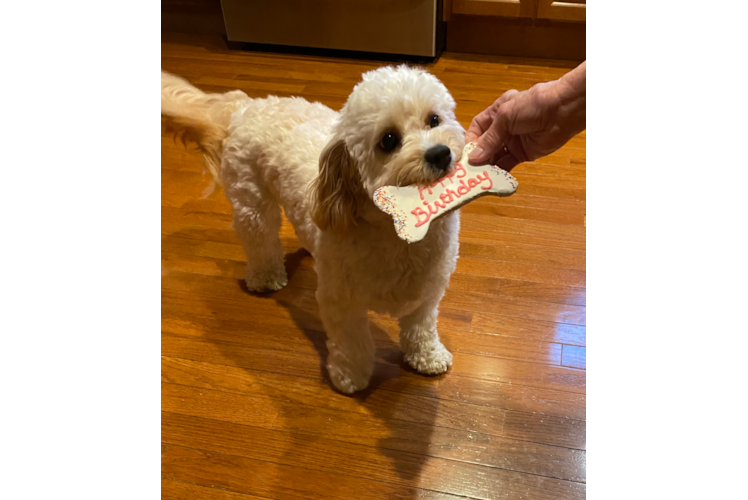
(336,191)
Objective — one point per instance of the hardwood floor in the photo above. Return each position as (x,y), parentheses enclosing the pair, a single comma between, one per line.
(247,411)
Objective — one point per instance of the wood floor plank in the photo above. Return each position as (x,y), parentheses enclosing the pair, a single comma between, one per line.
(536,400)
(483,236)
(543,292)
(516,307)
(534,228)
(537,189)
(203,248)
(519,372)
(524,328)
(569,167)
(554,181)
(538,273)
(575,356)
(528,201)
(203,403)
(515,212)
(561,260)
(234,354)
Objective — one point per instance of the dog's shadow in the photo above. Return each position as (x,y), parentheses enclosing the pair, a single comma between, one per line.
(403,426)
(406,452)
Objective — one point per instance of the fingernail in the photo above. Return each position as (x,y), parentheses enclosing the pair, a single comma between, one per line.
(476,154)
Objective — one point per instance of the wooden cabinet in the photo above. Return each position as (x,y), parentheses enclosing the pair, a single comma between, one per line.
(549,29)
(503,8)
(567,10)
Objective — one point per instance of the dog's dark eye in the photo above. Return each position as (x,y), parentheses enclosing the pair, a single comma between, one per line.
(433,121)
(389,142)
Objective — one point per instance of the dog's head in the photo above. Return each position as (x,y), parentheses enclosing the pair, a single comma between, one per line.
(397,128)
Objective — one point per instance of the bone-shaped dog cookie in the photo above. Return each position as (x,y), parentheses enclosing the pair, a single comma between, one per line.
(414,208)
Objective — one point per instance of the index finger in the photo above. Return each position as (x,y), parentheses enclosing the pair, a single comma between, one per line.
(483,120)
(479,125)
(470,137)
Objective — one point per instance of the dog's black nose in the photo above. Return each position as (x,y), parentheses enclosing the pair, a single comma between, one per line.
(439,156)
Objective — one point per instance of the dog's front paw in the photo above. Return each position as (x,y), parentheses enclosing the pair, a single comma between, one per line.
(430,359)
(346,381)
(265,280)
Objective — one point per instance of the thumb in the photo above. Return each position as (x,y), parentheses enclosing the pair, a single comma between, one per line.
(488,145)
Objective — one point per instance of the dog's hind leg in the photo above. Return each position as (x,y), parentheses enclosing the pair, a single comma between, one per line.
(257,221)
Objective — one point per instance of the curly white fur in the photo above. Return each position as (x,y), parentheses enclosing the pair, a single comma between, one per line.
(323,168)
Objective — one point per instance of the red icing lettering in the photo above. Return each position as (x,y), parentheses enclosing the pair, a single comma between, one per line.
(486,178)
(418,212)
(459,168)
(448,195)
(452,194)
(420,190)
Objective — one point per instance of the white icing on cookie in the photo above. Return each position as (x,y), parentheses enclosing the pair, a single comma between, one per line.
(413,208)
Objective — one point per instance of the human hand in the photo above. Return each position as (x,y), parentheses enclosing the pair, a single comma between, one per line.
(525,126)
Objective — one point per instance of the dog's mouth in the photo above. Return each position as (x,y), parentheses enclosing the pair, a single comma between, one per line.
(433,173)
(426,175)
(437,173)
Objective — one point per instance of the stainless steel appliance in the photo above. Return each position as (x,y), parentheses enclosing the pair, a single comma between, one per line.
(409,27)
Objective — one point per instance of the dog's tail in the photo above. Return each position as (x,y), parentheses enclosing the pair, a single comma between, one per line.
(194,116)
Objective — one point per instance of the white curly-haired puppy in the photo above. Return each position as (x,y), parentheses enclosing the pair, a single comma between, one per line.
(397,128)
